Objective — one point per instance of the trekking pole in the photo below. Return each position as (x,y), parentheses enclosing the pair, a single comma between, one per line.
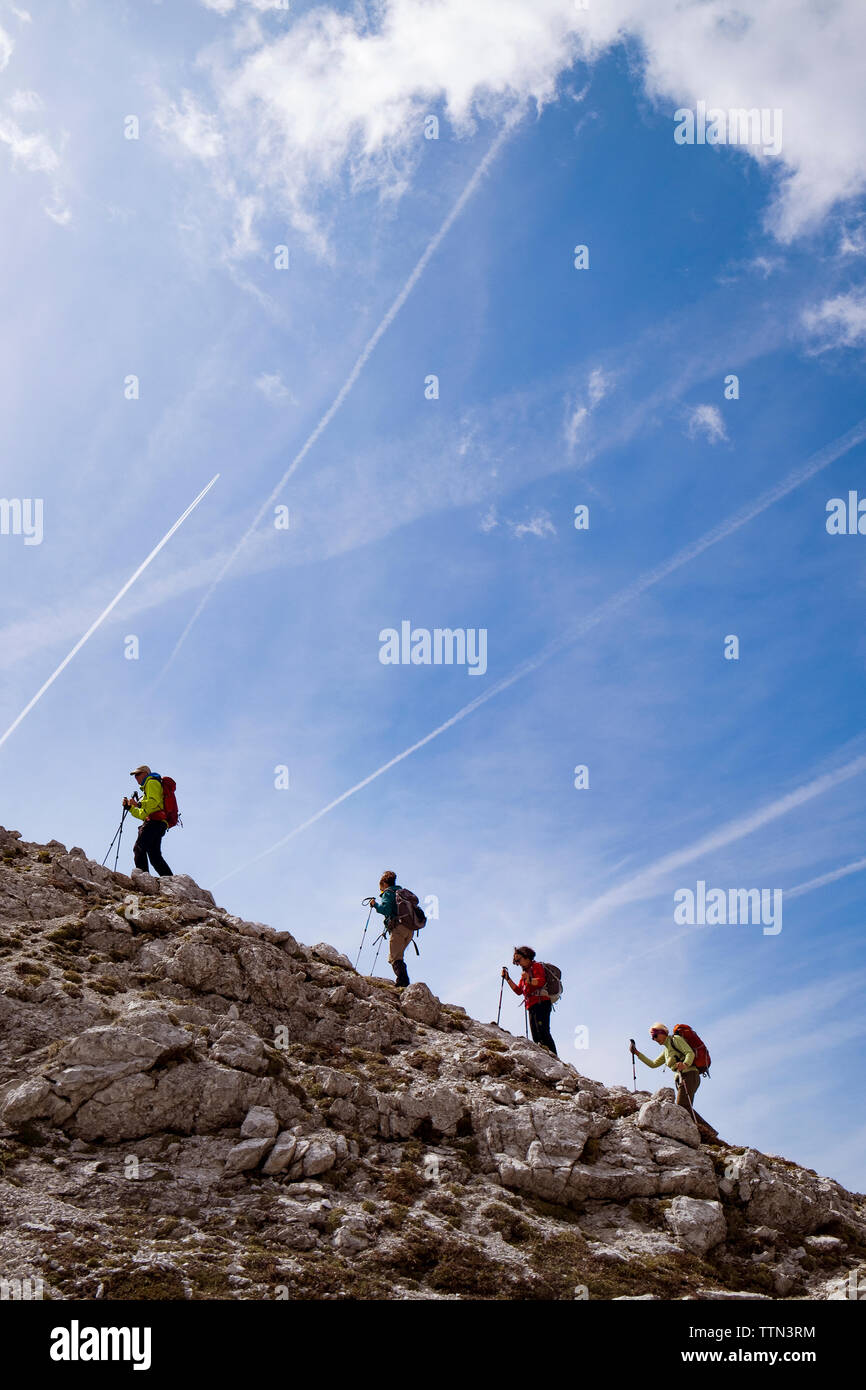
(117,834)
(499,1010)
(366,925)
(380,938)
(633,1067)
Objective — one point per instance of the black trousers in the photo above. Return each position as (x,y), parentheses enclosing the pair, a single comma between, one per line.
(539,1024)
(148,845)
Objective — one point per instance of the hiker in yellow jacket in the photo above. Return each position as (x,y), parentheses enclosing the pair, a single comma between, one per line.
(150,809)
(680,1058)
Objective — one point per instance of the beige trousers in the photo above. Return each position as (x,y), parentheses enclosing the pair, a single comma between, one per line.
(397,942)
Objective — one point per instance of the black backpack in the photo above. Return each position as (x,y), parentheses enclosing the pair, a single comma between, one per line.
(409,911)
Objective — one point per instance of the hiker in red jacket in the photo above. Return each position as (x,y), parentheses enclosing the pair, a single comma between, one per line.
(533,986)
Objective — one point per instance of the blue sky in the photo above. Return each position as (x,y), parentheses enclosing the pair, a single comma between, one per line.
(262,127)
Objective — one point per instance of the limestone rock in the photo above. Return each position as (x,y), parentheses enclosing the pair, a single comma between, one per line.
(282,1154)
(661,1117)
(699,1224)
(247,1154)
(183,887)
(318,1153)
(419,1003)
(150,1035)
(260,1123)
(332,956)
(238,1045)
(824,1245)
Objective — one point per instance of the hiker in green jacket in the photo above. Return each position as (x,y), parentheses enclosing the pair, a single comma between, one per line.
(398,935)
(150,810)
(679,1057)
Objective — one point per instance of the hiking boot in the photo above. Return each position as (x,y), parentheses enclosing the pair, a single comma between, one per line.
(401,973)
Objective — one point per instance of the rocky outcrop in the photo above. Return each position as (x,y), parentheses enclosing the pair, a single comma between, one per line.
(195,1106)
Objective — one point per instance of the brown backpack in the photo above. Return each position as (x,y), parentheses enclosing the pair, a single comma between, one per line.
(410,914)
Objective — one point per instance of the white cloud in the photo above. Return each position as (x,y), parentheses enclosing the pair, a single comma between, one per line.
(33,152)
(245,242)
(228,6)
(853,241)
(346,91)
(274,389)
(194,128)
(598,386)
(25,101)
(6,49)
(706,420)
(58,211)
(765,265)
(838,322)
(539,525)
(575,423)
(23,15)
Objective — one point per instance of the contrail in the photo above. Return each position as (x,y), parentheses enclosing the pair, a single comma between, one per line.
(105,612)
(363,359)
(734,831)
(818,461)
(644,884)
(832,877)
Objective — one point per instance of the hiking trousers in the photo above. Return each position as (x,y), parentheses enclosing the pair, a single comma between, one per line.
(539,1024)
(398,940)
(148,845)
(693,1081)
(687,1083)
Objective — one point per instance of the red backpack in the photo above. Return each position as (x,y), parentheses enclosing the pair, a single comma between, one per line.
(699,1048)
(170,801)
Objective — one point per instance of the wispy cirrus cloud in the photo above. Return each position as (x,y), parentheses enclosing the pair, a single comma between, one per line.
(580,406)
(639,884)
(649,880)
(25,101)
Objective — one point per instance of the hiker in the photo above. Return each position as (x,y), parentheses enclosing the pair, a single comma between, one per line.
(681,1060)
(150,809)
(533,986)
(399,932)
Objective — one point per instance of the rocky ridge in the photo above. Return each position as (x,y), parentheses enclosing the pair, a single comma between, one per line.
(195,1106)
